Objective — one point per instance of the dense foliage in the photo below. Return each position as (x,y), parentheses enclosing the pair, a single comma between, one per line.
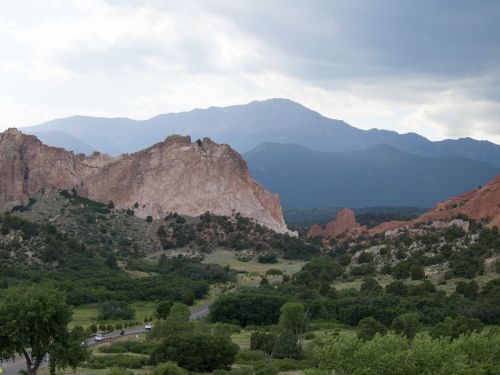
(397,355)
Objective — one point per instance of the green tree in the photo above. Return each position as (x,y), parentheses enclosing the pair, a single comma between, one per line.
(111,310)
(200,352)
(179,312)
(34,323)
(370,287)
(177,322)
(263,341)
(407,324)
(163,309)
(287,346)
(398,288)
(369,327)
(294,318)
(471,289)
(417,272)
(454,327)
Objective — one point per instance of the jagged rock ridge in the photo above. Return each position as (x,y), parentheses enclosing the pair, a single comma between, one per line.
(174,175)
(344,225)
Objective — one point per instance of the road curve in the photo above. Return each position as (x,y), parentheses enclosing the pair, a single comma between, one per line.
(13,367)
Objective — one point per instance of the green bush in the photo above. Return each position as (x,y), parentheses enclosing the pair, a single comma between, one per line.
(118,371)
(397,355)
(128,347)
(251,356)
(110,310)
(262,341)
(265,369)
(119,360)
(197,351)
(168,368)
(369,327)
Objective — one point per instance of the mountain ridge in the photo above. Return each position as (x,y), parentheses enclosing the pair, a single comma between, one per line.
(244,126)
(378,176)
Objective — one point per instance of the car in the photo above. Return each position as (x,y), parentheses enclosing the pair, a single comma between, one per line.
(148,326)
(98,338)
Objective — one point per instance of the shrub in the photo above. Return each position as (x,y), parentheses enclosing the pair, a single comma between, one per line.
(369,327)
(286,346)
(197,351)
(417,272)
(119,360)
(251,356)
(395,354)
(407,324)
(265,369)
(267,258)
(262,341)
(168,368)
(110,310)
(454,327)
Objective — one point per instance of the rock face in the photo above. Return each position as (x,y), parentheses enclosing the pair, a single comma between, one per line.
(482,204)
(345,224)
(174,175)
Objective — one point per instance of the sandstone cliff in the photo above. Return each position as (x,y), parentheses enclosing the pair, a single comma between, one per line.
(344,225)
(482,204)
(174,175)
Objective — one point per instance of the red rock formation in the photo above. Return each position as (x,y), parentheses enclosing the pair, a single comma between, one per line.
(174,175)
(482,204)
(345,224)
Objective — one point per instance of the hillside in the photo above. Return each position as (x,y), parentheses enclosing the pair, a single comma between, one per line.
(175,175)
(377,176)
(246,126)
(481,204)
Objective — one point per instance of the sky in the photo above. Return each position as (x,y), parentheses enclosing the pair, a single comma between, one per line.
(429,67)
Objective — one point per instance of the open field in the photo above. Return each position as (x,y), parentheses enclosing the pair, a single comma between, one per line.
(86,315)
(228,258)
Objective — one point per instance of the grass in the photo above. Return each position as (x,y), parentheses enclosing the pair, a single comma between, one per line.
(242,339)
(228,258)
(86,315)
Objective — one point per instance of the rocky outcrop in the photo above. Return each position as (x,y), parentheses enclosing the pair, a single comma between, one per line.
(344,225)
(481,204)
(172,176)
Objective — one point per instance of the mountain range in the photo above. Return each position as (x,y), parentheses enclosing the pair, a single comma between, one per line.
(309,159)
(380,175)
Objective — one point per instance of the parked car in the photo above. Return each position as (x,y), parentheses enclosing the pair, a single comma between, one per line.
(148,326)
(98,338)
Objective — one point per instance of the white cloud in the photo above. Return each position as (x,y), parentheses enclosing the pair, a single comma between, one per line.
(142,58)
(452,114)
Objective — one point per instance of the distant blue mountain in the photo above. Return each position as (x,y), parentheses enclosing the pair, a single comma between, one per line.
(246,126)
(378,176)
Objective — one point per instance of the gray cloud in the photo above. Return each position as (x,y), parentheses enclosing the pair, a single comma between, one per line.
(429,67)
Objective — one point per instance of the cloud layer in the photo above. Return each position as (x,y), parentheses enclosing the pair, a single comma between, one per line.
(427,67)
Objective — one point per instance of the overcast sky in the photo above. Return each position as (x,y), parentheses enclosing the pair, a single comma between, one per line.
(430,67)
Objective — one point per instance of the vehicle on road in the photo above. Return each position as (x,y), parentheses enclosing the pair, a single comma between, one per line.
(148,326)
(98,338)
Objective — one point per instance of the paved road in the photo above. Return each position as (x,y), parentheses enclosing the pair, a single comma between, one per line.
(13,367)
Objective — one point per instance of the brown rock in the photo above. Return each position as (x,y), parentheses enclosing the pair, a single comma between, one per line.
(482,204)
(345,224)
(172,176)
